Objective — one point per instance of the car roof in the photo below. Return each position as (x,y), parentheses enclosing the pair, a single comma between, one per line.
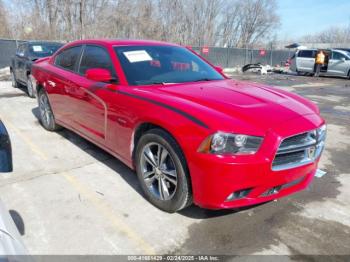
(344,49)
(307,49)
(121,42)
(341,50)
(32,42)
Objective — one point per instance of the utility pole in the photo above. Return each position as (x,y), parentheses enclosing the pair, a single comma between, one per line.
(271,47)
(81,18)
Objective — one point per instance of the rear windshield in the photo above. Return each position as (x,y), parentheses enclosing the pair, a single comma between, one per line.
(146,65)
(306,53)
(43,50)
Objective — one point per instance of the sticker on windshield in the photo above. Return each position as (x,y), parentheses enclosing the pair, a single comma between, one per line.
(137,56)
(37,48)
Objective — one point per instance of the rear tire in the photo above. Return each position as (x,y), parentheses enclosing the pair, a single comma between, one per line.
(47,117)
(162,171)
(30,86)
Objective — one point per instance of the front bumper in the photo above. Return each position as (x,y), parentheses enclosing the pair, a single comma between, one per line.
(215,178)
(262,183)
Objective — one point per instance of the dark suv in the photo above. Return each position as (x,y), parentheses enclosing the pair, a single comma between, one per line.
(26,54)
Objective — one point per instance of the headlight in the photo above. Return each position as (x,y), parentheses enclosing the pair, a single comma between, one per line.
(227,143)
(321,132)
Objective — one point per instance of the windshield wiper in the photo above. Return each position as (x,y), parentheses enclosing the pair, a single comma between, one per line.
(156,83)
(203,79)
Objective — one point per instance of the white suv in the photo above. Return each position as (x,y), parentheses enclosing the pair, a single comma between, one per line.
(337,62)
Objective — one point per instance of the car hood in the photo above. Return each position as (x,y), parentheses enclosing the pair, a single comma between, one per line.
(259,106)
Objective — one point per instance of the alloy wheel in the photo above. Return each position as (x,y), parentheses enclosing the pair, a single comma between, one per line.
(30,86)
(159,171)
(45,110)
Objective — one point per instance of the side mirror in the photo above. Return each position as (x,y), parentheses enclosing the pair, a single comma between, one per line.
(98,75)
(5,150)
(343,59)
(219,69)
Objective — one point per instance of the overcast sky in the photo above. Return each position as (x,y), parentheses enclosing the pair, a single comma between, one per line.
(299,18)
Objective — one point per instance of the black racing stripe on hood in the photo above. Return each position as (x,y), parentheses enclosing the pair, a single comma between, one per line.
(176,110)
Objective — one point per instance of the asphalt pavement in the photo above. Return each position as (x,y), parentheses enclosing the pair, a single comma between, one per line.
(74,198)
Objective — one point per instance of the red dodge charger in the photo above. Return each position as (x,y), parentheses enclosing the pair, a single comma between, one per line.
(191,134)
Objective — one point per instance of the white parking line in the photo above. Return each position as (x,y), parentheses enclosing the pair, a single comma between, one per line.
(25,139)
(104,209)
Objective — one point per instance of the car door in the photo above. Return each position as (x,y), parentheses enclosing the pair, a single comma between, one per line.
(338,64)
(305,61)
(60,82)
(293,63)
(90,107)
(20,62)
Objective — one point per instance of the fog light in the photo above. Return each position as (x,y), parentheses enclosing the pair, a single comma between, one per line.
(238,194)
(272,191)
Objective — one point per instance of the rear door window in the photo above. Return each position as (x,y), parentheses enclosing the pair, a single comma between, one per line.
(95,57)
(306,53)
(68,58)
(21,50)
(338,56)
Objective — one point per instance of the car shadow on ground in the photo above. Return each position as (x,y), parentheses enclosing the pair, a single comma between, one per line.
(23,89)
(11,95)
(129,175)
(197,212)
(18,220)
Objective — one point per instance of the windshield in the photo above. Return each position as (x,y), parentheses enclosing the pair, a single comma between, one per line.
(146,65)
(43,50)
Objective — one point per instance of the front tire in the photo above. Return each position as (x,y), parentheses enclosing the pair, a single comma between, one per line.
(30,86)
(162,171)
(47,118)
(14,82)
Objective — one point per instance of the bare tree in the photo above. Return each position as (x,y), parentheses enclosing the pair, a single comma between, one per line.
(334,34)
(4,29)
(247,22)
(195,22)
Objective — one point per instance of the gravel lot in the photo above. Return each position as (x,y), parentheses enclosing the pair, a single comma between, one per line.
(76,199)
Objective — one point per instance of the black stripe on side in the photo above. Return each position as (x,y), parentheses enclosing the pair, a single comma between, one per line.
(99,85)
(193,119)
(93,88)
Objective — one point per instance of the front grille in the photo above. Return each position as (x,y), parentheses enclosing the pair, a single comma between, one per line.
(291,141)
(293,157)
(300,149)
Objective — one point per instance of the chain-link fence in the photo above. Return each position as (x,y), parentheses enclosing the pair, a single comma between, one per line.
(224,57)
(233,57)
(7,50)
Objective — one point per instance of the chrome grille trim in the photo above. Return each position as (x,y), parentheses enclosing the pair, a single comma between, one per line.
(300,149)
